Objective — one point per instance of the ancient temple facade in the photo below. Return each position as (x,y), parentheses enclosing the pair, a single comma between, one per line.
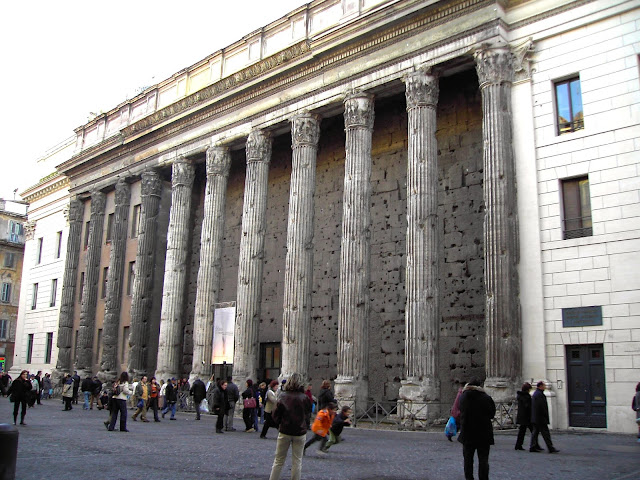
(388,194)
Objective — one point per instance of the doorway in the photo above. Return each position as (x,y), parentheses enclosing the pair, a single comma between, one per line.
(586,386)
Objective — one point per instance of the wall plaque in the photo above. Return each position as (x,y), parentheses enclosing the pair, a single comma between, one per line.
(581,316)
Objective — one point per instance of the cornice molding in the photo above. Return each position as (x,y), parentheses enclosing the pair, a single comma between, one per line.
(41,190)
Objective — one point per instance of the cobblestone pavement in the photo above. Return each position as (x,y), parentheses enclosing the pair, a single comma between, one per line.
(75,445)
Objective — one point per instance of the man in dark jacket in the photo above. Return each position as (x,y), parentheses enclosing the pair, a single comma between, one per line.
(233,395)
(476,412)
(199,392)
(76,386)
(540,419)
(290,415)
(96,388)
(171,398)
(39,392)
(86,388)
(524,413)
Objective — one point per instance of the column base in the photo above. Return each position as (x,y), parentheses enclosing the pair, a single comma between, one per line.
(162,376)
(353,393)
(57,376)
(502,390)
(419,401)
(107,376)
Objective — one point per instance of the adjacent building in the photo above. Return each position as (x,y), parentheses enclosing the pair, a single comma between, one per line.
(397,195)
(12,235)
(45,243)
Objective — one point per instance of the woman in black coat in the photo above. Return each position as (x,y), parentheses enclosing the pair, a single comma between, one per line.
(326,395)
(524,413)
(19,394)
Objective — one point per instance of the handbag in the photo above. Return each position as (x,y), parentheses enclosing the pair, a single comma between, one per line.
(450,428)
(249,402)
(140,403)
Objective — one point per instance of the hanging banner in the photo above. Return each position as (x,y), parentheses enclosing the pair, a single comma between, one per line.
(224,320)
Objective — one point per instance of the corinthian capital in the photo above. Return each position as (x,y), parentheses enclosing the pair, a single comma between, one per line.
(29,230)
(98,202)
(358,110)
(494,66)
(218,161)
(123,193)
(422,89)
(259,146)
(182,173)
(305,129)
(151,184)
(75,211)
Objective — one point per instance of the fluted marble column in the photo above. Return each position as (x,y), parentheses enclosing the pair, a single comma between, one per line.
(218,164)
(141,298)
(502,308)
(68,299)
(423,233)
(86,330)
(254,225)
(108,363)
(175,271)
(352,383)
(298,275)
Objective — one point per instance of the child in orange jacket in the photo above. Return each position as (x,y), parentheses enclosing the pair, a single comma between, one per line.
(321,427)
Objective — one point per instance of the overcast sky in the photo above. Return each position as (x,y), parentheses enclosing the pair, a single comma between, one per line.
(62,59)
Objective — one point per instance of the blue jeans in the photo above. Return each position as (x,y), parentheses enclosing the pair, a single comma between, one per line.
(87,395)
(255,419)
(169,406)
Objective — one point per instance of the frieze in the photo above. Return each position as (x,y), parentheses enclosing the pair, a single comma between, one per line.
(259,146)
(358,110)
(151,184)
(98,202)
(422,89)
(29,230)
(182,173)
(494,66)
(305,129)
(123,193)
(218,161)
(227,83)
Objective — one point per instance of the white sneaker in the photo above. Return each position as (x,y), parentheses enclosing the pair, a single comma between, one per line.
(321,453)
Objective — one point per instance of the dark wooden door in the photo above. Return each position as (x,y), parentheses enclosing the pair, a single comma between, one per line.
(586,386)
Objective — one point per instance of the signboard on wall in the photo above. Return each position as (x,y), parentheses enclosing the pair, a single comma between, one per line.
(224,320)
(582,316)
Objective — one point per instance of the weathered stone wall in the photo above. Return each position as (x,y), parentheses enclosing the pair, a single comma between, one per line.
(459,135)
(461,208)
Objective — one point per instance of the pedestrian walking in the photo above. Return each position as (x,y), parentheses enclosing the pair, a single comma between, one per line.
(199,392)
(477,409)
(540,420)
(142,394)
(18,393)
(154,393)
(635,404)
(326,395)
(76,386)
(523,418)
(220,404)
(171,398)
(269,405)
(233,395)
(321,426)
(249,405)
(121,390)
(67,392)
(38,377)
(86,388)
(290,414)
(47,389)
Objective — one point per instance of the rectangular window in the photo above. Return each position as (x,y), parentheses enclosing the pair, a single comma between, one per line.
(270,360)
(110,218)
(131,277)
(569,105)
(15,230)
(135,221)
(4,328)
(81,288)
(75,348)
(124,355)
(100,345)
(58,244)
(29,347)
(577,208)
(54,292)
(86,234)
(48,348)
(34,296)
(105,276)
(6,293)
(39,252)
(9,260)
